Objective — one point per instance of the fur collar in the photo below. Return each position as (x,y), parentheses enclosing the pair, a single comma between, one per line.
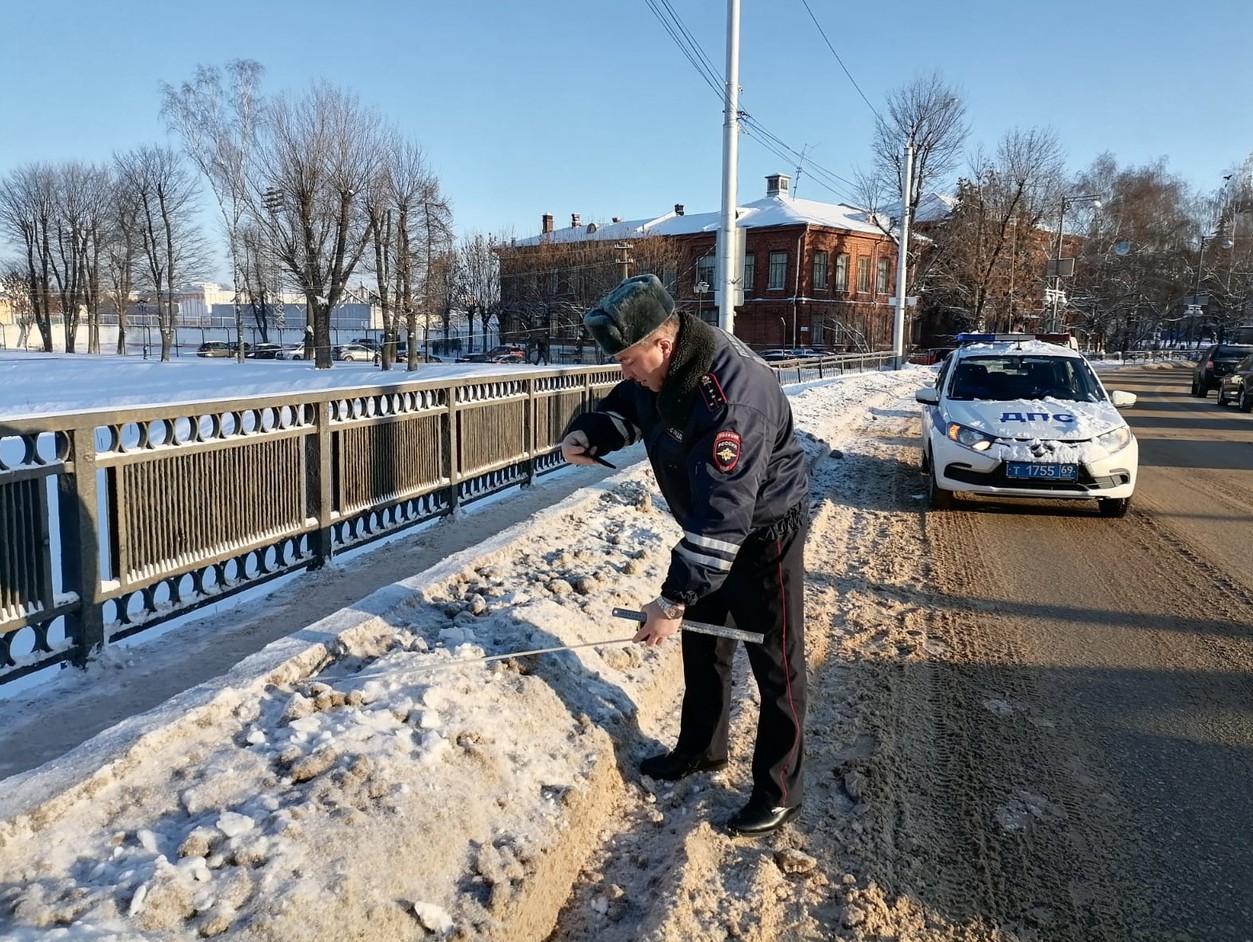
(694,349)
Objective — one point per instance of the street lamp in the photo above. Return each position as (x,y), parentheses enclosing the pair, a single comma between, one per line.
(1194,303)
(701,288)
(1056,293)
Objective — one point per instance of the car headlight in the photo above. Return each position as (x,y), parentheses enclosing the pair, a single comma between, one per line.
(1115,439)
(971,438)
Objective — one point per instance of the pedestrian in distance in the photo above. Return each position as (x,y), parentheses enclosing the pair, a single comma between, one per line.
(718,432)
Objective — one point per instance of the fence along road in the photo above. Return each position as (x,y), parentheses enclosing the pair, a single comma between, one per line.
(114,521)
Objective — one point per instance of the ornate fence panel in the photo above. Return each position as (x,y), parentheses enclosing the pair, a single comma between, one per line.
(116,520)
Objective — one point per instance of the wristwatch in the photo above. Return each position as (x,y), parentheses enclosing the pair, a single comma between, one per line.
(671,610)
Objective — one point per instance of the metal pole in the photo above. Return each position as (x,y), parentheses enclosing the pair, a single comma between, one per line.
(727,233)
(1057,269)
(902,259)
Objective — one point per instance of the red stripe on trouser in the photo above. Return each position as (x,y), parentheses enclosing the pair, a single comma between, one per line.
(787,673)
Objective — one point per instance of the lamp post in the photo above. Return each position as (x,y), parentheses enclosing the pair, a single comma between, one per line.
(1195,305)
(1056,294)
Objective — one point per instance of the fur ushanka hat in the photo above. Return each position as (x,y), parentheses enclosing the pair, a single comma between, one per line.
(629,313)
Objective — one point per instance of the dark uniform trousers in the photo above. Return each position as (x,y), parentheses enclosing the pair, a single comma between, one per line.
(763,592)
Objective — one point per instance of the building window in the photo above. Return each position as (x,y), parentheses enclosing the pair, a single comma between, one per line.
(705,270)
(750,272)
(778,271)
(820,272)
(881,277)
(863,276)
(841,273)
(672,277)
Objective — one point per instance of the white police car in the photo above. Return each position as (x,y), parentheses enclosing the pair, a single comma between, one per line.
(1013,416)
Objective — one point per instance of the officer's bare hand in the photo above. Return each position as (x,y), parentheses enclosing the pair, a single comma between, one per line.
(576,449)
(657,628)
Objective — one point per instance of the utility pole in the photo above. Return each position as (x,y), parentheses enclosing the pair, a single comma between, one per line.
(624,260)
(902,258)
(728,241)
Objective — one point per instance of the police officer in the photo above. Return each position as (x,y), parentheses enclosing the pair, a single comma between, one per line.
(718,432)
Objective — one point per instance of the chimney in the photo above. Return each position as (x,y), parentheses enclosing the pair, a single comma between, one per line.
(616,219)
(777,184)
(574,221)
(547,222)
(678,209)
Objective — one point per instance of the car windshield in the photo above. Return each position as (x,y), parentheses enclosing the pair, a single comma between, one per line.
(1226,352)
(1009,378)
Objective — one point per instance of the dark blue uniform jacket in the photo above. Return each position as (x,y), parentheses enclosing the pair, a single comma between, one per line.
(719,437)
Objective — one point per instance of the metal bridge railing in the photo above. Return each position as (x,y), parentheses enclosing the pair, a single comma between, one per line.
(113,521)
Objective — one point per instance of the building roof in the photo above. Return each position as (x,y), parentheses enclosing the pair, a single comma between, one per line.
(768,212)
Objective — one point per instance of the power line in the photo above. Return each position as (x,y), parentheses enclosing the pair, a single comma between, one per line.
(695,54)
(823,33)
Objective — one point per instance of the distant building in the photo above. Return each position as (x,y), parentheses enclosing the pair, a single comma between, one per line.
(814,274)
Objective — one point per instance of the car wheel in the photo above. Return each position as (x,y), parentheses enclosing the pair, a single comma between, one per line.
(937,497)
(1113,506)
(1219,399)
(1198,390)
(1246,401)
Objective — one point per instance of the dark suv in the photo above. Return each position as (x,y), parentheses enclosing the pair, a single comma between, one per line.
(1217,360)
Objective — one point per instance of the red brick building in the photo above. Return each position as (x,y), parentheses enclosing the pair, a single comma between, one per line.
(815,274)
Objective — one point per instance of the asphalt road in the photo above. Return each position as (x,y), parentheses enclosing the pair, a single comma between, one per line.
(1098,708)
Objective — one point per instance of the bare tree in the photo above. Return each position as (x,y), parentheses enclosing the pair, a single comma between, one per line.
(166,197)
(990,252)
(435,243)
(320,155)
(14,287)
(219,127)
(123,246)
(480,265)
(1141,255)
(27,213)
(395,205)
(76,231)
(929,117)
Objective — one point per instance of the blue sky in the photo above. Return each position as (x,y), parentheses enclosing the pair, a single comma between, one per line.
(558,106)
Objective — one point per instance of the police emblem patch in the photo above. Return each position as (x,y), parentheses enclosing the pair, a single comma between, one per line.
(726,451)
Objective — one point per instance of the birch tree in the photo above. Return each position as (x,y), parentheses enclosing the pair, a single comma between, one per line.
(218,117)
(27,213)
(165,195)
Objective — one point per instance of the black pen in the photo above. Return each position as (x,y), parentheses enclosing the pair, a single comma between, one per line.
(599,460)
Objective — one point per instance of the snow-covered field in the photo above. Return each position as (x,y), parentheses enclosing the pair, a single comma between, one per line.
(373,776)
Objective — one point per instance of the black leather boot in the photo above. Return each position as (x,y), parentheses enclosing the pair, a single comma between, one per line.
(755,819)
(672,766)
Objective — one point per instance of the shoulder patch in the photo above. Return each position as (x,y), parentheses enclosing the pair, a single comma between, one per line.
(727,446)
(711,392)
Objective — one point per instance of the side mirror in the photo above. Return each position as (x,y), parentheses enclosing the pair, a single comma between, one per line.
(930,396)
(1122,399)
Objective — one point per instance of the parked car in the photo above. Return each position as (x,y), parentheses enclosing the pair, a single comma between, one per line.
(402,356)
(791,353)
(504,353)
(1237,386)
(216,348)
(352,351)
(1026,418)
(265,351)
(777,355)
(1216,361)
(930,356)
